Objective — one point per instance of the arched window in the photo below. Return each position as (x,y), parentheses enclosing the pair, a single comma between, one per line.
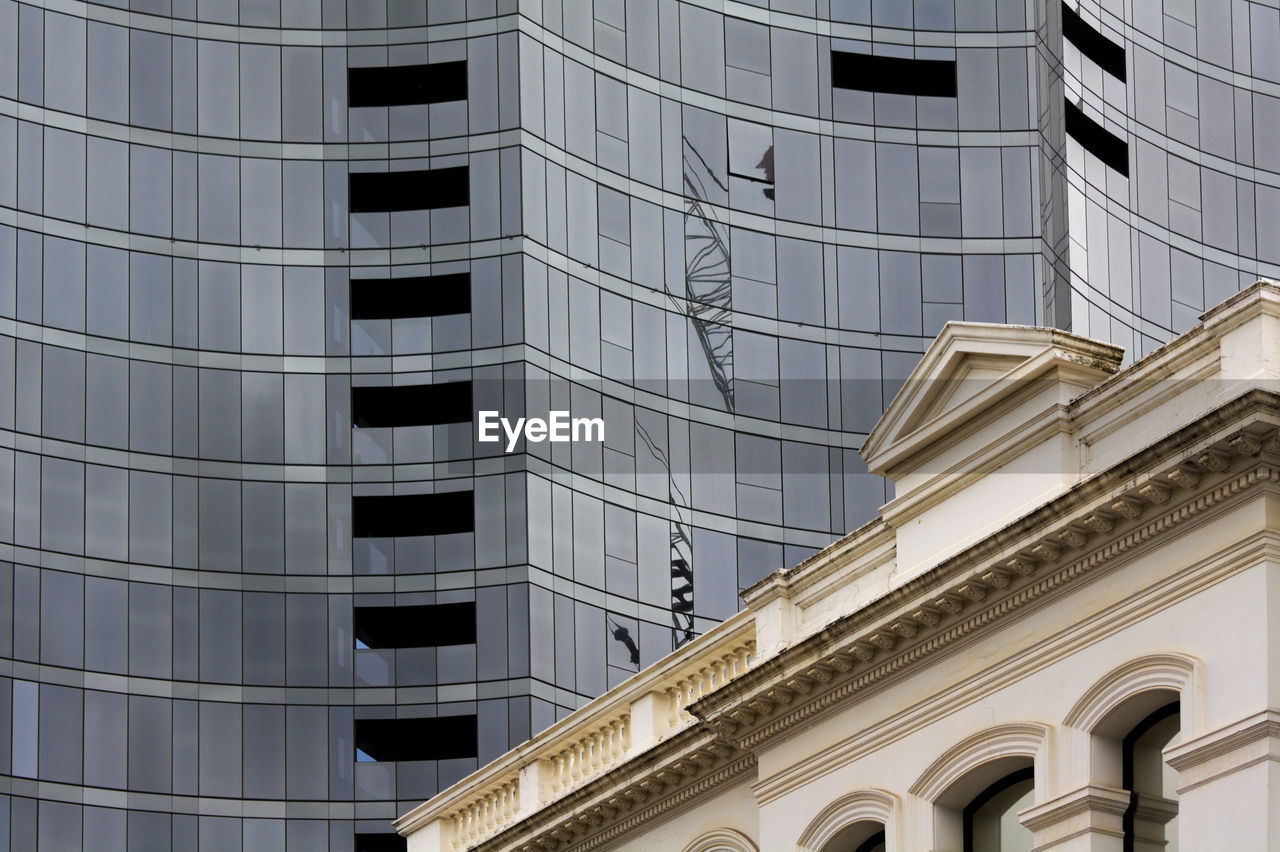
(991,817)
(1150,822)
(862,821)
(974,780)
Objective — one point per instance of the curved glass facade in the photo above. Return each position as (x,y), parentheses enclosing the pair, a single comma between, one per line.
(1197,214)
(262,263)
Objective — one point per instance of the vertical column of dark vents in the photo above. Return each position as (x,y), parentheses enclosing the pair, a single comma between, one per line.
(447,737)
(893,75)
(411,405)
(419,296)
(1109,56)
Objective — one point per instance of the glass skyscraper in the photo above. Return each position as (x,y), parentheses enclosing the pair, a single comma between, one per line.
(261,264)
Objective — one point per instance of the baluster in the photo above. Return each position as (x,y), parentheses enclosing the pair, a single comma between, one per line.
(673,707)
(616,747)
(562,770)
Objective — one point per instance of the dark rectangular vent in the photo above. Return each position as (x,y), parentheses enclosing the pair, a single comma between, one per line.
(426,626)
(442,738)
(411,405)
(391,192)
(1097,140)
(413,514)
(1093,44)
(380,842)
(893,75)
(419,296)
(404,85)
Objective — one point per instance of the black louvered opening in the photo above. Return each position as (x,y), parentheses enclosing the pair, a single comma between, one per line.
(442,738)
(1097,140)
(893,75)
(411,405)
(418,296)
(421,626)
(405,85)
(380,842)
(392,192)
(1093,44)
(413,514)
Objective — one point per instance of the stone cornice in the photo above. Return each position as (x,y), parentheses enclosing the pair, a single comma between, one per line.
(1189,471)
(1229,749)
(1263,545)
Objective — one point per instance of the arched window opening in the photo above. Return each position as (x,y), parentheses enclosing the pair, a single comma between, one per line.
(1150,822)
(874,843)
(991,818)
(862,836)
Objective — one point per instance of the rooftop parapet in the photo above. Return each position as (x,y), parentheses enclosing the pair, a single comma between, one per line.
(615,728)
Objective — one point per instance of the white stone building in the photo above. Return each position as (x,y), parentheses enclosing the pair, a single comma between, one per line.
(1061,634)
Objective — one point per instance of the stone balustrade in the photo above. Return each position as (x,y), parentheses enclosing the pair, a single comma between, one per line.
(613,728)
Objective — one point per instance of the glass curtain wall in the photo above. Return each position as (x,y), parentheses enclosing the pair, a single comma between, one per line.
(261,264)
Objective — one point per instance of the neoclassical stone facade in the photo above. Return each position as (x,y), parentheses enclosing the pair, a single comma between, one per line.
(1060,634)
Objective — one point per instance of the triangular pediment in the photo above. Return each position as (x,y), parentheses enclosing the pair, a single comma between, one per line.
(967,375)
(969,368)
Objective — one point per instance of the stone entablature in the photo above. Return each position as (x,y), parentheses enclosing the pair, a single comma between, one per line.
(854,688)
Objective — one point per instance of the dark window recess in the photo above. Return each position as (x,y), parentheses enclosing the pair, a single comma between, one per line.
(411,405)
(1097,140)
(442,738)
(427,626)
(893,75)
(382,842)
(421,296)
(413,514)
(1019,776)
(1093,44)
(403,85)
(390,192)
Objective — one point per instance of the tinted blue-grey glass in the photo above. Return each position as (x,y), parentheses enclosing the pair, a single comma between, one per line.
(729,254)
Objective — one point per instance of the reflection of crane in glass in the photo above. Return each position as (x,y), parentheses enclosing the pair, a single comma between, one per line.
(681,550)
(623,635)
(708,287)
